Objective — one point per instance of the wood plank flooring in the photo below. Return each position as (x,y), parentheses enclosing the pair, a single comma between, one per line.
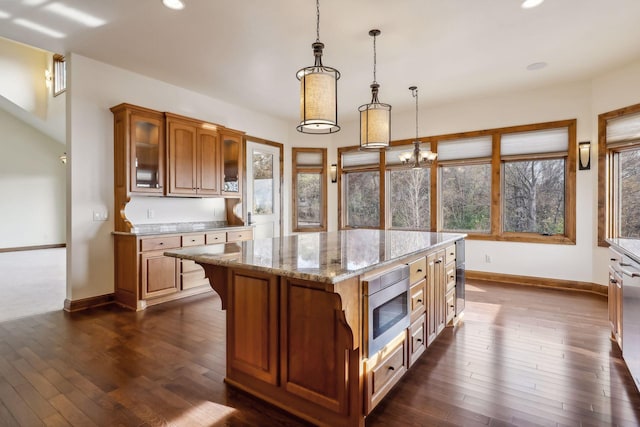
(523,356)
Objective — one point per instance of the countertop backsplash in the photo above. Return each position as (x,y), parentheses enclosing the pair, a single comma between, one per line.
(163,210)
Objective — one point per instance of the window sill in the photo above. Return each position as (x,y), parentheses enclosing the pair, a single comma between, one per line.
(523,238)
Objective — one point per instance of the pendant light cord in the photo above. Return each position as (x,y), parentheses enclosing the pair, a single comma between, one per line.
(317,20)
(415,95)
(374,59)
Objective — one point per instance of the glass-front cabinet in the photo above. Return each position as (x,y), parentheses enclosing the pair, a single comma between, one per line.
(231,144)
(147,153)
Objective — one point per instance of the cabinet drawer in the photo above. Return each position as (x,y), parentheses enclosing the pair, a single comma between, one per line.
(417,339)
(217,237)
(450,254)
(450,309)
(236,236)
(158,243)
(383,374)
(193,240)
(450,271)
(417,270)
(418,298)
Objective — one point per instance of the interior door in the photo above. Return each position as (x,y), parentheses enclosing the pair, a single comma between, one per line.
(263,189)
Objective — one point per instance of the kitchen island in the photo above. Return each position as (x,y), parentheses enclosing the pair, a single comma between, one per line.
(299,318)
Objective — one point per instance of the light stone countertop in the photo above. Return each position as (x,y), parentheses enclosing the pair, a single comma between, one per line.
(630,247)
(320,257)
(181,227)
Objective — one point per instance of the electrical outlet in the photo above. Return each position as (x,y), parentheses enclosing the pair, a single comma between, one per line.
(487,259)
(150,213)
(100,215)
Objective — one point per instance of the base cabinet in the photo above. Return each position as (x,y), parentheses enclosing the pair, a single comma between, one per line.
(144,276)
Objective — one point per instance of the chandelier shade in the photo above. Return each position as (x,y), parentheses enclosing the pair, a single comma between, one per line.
(318,92)
(375,117)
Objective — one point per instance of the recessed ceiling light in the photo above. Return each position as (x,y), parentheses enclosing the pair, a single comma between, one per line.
(528,4)
(174,4)
(75,14)
(536,66)
(4,15)
(39,28)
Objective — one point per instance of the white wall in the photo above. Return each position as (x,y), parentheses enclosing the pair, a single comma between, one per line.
(572,100)
(32,186)
(94,87)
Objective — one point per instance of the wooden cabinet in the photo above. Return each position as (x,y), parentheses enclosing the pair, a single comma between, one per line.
(194,157)
(615,296)
(144,276)
(232,156)
(139,156)
(436,315)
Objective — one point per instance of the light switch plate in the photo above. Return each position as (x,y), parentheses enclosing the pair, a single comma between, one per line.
(100,215)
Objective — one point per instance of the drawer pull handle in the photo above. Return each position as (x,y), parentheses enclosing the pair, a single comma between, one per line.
(161,243)
(419,270)
(438,261)
(391,368)
(419,340)
(452,306)
(420,300)
(613,259)
(613,281)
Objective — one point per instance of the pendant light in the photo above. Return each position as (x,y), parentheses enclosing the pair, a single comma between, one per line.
(318,92)
(375,118)
(417,158)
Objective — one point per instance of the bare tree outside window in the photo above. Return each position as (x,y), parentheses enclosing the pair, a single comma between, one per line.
(629,196)
(410,204)
(362,191)
(262,183)
(309,199)
(466,198)
(534,196)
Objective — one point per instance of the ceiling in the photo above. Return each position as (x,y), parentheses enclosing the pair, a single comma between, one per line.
(247,52)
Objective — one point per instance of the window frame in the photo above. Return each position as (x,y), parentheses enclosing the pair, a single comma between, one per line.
(322,171)
(607,187)
(59,74)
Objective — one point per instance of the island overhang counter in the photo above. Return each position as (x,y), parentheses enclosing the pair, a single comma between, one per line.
(299,319)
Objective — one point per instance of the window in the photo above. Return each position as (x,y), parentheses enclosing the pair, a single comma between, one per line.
(59,74)
(514,183)
(361,189)
(534,164)
(409,191)
(465,184)
(309,189)
(619,164)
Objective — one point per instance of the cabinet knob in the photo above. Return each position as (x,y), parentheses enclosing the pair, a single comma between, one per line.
(419,300)
(613,259)
(161,243)
(452,306)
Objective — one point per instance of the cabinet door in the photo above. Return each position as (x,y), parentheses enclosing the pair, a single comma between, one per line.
(208,160)
(440,290)
(231,147)
(431,298)
(146,136)
(182,158)
(159,274)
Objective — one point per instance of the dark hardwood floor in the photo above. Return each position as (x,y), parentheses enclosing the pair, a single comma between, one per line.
(523,356)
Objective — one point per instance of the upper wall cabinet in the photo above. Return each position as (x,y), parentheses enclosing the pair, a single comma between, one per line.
(231,145)
(193,156)
(139,149)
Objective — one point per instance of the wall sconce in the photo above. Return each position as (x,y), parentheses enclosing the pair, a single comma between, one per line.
(333,173)
(584,155)
(48,78)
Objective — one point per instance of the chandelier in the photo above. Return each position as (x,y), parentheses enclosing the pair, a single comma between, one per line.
(375,118)
(417,158)
(318,92)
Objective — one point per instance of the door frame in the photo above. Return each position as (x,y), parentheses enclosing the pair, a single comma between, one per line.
(280,147)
